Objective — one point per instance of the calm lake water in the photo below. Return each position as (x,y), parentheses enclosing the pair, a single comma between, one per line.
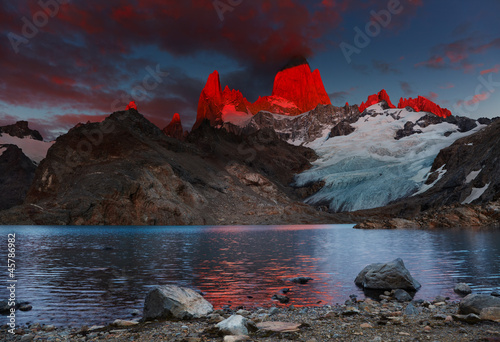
(93,275)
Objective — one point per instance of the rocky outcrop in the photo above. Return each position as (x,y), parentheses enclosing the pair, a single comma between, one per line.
(376,98)
(211,102)
(235,325)
(422,104)
(21,130)
(299,129)
(297,84)
(175,302)
(16,174)
(174,128)
(390,276)
(341,129)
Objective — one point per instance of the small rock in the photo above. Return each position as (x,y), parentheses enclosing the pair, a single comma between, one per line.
(491,314)
(470,318)
(411,310)
(350,311)
(427,329)
(215,318)
(377,339)
(366,326)
(234,325)
(28,337)
(301,280)
(25,307)
(462,289)
(282,299)
(280,327)
(392,275)
(273,311)
(243,313)
(48,328)
(241,338)
(404,333)
(495,293)
(440,317)
(448,319)
(123,323)
(402,296)
(135,312)
(439,299)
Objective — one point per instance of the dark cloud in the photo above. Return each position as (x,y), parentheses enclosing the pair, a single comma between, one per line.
(385,68)
(406,87)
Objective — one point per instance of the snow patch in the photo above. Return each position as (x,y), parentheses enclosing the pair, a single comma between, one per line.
(475,194)
(471,176)
(35,150)
(441,171)
(2,150)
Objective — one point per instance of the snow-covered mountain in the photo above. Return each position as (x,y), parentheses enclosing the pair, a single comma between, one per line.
(28,140)
(387,156)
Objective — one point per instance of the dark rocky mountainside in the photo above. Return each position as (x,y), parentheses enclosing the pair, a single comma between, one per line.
(126,171)
(21,130)
(16,174)
(303,128)
(464,188)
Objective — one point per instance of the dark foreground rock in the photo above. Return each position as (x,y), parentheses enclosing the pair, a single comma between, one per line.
(390,276)
(175,302)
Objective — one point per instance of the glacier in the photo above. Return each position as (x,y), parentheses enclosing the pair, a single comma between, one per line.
(369,168)
(34,149)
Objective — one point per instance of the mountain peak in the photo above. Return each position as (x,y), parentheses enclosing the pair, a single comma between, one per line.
(131,105)
(174,128)
(21,130)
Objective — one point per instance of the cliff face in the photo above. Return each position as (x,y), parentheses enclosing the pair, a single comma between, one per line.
(16,174)
(301,87)
(21,130)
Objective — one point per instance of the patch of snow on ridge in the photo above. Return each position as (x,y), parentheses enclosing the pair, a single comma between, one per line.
(441,171)
(34,149)
(230,114)
(2,150)
(475,194)
(471,176)
(369,168)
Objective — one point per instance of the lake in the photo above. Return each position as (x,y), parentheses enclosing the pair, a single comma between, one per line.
(94,275)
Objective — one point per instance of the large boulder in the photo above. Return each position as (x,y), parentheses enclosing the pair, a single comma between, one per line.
(175,302)
(390,276)
(476,303)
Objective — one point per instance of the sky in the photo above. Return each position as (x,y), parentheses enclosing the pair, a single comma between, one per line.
(70,61)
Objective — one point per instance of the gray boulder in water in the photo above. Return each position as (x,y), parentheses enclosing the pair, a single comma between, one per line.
(175,302)
(390,276)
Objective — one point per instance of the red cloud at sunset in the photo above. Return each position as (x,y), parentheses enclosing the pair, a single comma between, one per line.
(495,69)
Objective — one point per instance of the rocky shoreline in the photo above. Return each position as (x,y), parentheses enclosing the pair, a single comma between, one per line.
(355,320)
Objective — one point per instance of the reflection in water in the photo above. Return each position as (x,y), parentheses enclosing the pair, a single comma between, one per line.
(90,275)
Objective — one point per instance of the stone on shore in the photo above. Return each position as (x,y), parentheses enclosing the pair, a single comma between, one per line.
(491,314)
(175,302)
(476,303)
(234,325)
(279,327)
(462,289)
(390,276)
